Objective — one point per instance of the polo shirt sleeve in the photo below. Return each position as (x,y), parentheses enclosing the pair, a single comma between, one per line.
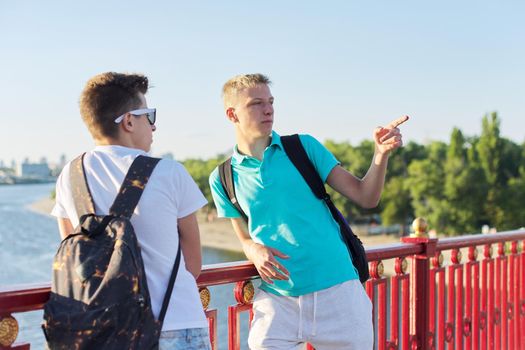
(324,161)
(225,208)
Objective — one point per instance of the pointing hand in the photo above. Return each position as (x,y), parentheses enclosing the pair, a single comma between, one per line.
(389,138)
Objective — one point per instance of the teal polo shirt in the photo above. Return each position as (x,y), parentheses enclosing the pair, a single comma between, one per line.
(285,214)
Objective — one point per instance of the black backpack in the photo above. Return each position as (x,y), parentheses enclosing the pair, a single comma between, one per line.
(295,151)
(99,295)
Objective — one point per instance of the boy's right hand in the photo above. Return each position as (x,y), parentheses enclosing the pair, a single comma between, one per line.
(269,268)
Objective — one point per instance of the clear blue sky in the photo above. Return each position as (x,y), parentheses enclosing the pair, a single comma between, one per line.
(340,68)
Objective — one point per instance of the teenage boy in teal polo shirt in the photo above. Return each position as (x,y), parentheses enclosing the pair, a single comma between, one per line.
(310,291)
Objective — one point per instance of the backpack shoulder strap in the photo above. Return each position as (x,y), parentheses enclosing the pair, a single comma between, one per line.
(226,176)
(81,194)
(171,283)
(295,151)
(134,183)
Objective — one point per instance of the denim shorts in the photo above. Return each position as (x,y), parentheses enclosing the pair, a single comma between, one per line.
(185,339)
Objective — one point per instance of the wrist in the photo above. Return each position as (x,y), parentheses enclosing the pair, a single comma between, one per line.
(247,246)
(381,157)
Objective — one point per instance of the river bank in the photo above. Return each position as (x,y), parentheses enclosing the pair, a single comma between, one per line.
(219,233)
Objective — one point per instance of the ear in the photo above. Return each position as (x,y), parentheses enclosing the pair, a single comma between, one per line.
(128,123)
(230,114)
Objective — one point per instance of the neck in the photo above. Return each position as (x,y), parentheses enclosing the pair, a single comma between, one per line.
(106,141)
(253,147)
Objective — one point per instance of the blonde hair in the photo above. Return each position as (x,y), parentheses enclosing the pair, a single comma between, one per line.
(241,82)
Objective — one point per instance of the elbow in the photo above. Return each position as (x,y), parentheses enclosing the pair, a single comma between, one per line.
(370,203)
(195,271)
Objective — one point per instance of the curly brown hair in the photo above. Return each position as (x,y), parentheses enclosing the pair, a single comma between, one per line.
(107,96)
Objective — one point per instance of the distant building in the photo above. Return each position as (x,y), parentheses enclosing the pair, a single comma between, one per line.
(34,170)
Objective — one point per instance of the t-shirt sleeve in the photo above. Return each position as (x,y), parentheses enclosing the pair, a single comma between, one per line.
(189,197)
(62,192)
(323,160)
(225,208)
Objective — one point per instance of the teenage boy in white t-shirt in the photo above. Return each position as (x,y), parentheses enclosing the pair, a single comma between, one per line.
(115,110)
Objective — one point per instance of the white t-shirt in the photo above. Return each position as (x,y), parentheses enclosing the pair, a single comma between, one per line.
(170,194)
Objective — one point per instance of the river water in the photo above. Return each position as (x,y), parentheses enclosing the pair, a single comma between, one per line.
(28,241)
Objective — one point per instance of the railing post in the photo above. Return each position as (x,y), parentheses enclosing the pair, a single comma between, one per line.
(419,291)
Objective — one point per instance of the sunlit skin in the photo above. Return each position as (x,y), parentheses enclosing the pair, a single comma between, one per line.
(251,111)
(252,114)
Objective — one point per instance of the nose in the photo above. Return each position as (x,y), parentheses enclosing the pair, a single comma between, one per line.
(269,109)
(153,127)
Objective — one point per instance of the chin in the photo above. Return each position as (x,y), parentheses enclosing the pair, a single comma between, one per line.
(267,130)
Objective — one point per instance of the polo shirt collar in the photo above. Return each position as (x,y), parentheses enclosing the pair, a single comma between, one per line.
(239,158)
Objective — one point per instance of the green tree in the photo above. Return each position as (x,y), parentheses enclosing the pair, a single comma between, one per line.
(426,186)
(200,171)
(396,203)
(489,148)
(513,206)
(515,197)
(396,207)
(463,188)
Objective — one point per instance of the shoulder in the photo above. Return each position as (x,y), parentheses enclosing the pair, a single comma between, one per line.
(169,167)
(309,140)
(214,180)
(311,145)
(64,176)
(214,175)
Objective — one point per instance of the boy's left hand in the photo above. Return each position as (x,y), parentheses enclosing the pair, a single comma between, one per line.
(389,138)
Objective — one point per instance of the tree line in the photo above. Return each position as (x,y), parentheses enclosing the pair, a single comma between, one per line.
(457,187)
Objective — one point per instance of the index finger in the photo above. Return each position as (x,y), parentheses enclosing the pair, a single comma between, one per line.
(397,122)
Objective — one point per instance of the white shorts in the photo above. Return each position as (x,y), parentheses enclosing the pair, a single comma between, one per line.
(339,317)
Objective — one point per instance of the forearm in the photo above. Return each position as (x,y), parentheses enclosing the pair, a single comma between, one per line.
(191,250)
(241,230)
(373,182)
(190,244)
(65,227)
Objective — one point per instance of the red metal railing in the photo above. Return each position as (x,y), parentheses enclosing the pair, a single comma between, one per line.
(427,299)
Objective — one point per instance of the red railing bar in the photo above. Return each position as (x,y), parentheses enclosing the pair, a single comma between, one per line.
(441,320)
(21,298)
(479,239)
(382,319)
(451,303)
(504,288)
(236,271)
(522,296)
(28,297)
(395,250)
(490,304)
(475,312)
(460,303)
(511,282)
